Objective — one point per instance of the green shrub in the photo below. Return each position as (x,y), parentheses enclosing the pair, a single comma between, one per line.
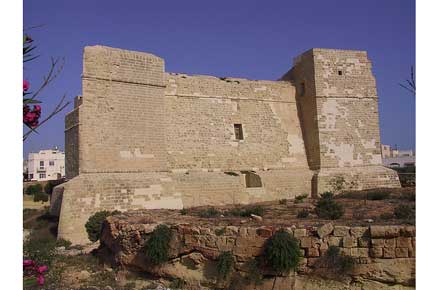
(410,196)
(282,252)
(337,262)
(246,211)
(94,224)
(63,243)
(225,265)
(328,208)
(41,196)
(283,201)
(157,246)
(40,249)
(209,213)
(33,189)
(404,211)
(184,211)
(302,214)
(386,216)
(378,195)
(300,198)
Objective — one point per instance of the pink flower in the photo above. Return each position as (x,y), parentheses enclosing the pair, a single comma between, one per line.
(40,280)
(42,269)
(26,85)
(27,263)
(37,108)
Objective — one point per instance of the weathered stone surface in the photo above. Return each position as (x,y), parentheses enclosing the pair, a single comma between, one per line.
(384,231)
(192,258)
(298,233)
(349,242)
(341,231)
(359,232)
(335,241)
(325,230)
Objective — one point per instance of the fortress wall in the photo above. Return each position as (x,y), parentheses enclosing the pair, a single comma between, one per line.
(71,140)
(202,112)
(122,127)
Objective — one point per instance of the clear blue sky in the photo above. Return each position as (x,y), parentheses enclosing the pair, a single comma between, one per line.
(242,38)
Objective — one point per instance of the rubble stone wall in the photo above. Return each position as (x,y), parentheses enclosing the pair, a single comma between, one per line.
(383,254)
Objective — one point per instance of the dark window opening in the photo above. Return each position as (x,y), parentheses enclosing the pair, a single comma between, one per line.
(302,89)
(252,179)
(340,72)
(238,129)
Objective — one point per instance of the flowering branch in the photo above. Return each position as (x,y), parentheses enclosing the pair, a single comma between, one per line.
(31,116)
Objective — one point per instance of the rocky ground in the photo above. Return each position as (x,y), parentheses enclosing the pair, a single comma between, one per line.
(87,268)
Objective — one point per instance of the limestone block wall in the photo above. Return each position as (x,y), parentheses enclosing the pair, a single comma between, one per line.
(202,112)
(121,120)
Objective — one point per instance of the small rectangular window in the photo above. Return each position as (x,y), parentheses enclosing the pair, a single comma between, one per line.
(42,163)
(340,72)
(51,163)
(302,89)
(238,129)
(42,175)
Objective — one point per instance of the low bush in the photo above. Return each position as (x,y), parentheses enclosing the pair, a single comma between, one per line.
(337,262)
(302,214)
(94,224)
(328,208)
(283,201)
(410,196)
(404,211)
(157,246)
(184,211)
(282,252)
(386,216)
(246,211)
(33,189)
(378,195)
(40,249)
(63,243)
(225,265)
(41,196)
(209,212)
(300,198)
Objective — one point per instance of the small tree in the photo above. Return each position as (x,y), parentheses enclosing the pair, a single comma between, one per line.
(225,265)
(157,246)
(282,253)
(328,208)
(94,224)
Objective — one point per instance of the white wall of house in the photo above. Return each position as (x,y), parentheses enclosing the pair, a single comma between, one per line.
(46,165)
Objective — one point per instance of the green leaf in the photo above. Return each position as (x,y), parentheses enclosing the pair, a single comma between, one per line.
(31,101)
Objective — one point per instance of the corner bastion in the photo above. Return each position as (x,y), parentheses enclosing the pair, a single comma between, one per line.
(142,138)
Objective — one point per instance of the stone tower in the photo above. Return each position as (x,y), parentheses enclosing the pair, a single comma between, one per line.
(337,98)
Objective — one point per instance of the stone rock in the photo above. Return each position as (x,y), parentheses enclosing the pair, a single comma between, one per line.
(325,230)
(359,231)
(264,232)
(349,242)
(376,252)
(256,218)
(384,231)
(341,231)
(298,233)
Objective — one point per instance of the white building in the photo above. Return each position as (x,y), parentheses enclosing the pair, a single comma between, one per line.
(46,165)
(397,158)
